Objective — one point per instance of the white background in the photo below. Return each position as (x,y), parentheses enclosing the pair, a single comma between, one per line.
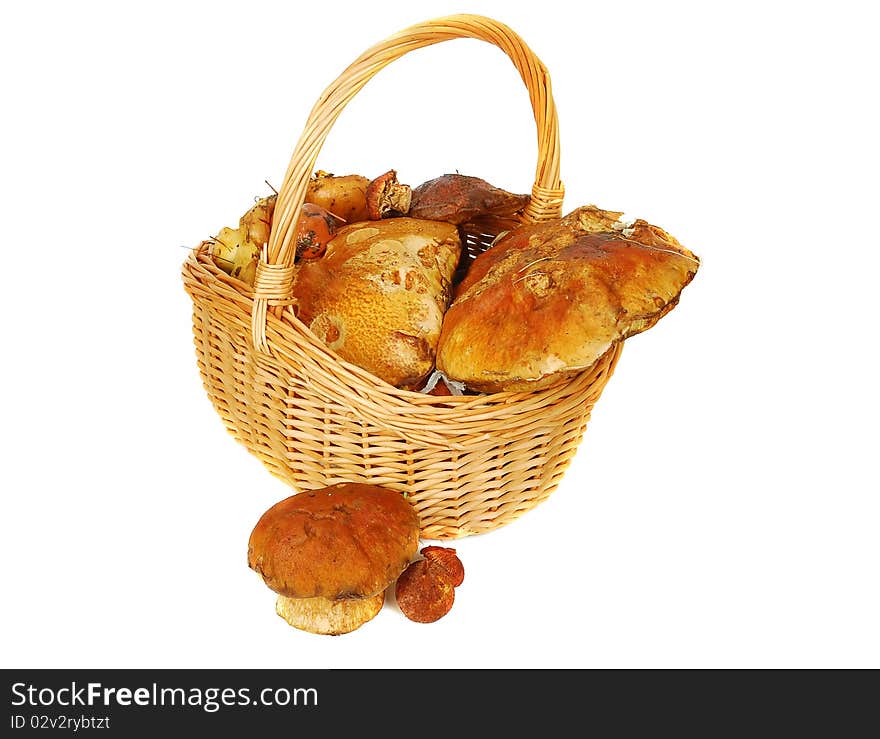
(722,510)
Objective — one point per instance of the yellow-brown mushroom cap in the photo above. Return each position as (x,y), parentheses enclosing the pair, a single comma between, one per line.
(550,299)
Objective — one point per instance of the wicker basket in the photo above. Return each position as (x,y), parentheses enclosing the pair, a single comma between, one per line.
(469,464)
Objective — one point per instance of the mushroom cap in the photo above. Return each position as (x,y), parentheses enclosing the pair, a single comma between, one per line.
(547,300)
(349,540)
(378,295)
(458,198)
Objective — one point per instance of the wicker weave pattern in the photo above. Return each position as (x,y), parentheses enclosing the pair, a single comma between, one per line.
(468,463)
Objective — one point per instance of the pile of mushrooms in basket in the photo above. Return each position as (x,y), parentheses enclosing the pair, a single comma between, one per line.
(382,278)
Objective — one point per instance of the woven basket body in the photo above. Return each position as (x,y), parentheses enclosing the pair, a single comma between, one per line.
(468,464)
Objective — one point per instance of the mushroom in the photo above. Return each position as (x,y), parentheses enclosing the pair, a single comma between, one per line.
(378,295)
(343,195)
(458,198)
(355,198)
(426,590)
(386,197)
(547,300)
(331,553)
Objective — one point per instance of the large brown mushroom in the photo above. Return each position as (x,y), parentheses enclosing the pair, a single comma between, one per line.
(378,295)
(548,300)
(331,553)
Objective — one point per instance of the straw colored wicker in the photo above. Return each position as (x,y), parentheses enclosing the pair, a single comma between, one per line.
(469,464)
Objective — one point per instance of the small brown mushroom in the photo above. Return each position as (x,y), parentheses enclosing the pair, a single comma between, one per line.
(387,198)
(424,592)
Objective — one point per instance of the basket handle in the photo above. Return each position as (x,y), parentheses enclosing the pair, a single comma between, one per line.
(274,279)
